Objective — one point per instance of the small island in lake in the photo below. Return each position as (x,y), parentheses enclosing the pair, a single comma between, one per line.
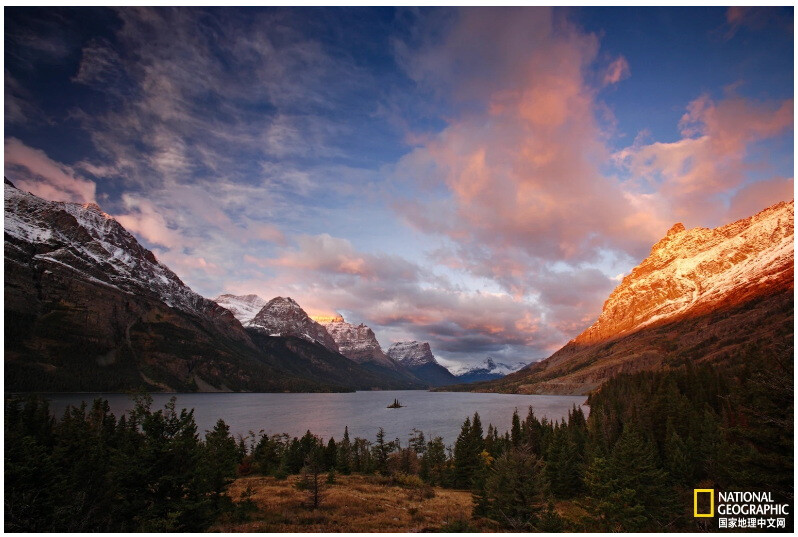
(395,404)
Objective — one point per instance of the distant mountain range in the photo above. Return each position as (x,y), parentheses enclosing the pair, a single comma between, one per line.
(488,370)
(702,295)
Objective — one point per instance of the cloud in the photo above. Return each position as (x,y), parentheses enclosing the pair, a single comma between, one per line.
(711,159)
(756,196)
(756,19)
(145,220)
(100,65)
(32,170)
(616,71)
(333,255)
(521,176)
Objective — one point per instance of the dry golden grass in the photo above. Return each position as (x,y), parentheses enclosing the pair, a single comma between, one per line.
(352,504)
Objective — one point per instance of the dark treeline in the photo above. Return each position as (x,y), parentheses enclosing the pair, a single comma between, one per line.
(631,466)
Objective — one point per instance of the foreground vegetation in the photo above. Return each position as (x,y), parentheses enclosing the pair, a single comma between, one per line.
(631,466)
(350,503)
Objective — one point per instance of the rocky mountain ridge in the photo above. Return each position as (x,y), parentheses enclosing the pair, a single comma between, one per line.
(700,296)
(418,358)
(357,342)
(282,316)
(694,271)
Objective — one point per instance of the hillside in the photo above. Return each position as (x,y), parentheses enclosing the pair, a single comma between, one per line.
(702,295)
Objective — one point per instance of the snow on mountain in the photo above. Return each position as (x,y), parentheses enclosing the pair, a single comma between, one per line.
(489,366)
(244,307)
(694,271)
(91,243)
(284,317)
(411,353)
(358,343)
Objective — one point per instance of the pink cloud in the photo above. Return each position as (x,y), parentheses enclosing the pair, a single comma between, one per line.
(337,256)
(145,219)
(616,71)
(754,197)
(524,174)
(32,170)
(710,158)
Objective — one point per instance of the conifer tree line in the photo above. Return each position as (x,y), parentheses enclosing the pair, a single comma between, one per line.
(650,438)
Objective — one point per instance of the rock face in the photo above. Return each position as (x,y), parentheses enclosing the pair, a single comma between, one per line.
(697,271)
(284,317)
(358,343)
(417,357)
(488,370)
(87,308)
(243,307)
(700,296)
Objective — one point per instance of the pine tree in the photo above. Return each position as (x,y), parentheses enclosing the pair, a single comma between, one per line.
(515,491)
(381,451)
(330,455)
(343,461)
(629,491)
(515,430)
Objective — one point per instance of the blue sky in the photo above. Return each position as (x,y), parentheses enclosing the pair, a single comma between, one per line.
(476,178)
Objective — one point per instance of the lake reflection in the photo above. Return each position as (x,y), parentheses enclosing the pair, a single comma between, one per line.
(326,414)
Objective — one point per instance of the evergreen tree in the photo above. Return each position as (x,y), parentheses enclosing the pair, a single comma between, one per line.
(629,491)
(515,491)
(343,456)
(330,455)
(515,430)
(220,458)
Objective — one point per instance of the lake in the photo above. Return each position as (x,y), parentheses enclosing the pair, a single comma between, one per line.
(326,414)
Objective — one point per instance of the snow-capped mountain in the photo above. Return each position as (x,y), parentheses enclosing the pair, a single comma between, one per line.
(411,353)
(701,295)
(284,317)
(88,308)
(488,370)
(357,342)
(694,271)
(244,307)
(418,358)
(91,243)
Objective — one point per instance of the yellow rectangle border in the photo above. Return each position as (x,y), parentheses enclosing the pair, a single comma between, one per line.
(711,503)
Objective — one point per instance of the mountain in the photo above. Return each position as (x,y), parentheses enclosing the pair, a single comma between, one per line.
(488,370)
(417,357)
(702,295)
(244,308)
(284,317)
(359,344)
(87,308)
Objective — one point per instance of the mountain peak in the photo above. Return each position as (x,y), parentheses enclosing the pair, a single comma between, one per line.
(677,228)
(411,353)
(282,316)
(358,343)
(692,271)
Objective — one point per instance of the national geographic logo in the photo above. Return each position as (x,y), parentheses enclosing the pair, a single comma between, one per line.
(735,509)
(707,496)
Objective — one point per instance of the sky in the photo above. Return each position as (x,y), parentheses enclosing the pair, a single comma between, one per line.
(477,178)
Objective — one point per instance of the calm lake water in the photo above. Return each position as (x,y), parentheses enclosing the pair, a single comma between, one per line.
(326,414)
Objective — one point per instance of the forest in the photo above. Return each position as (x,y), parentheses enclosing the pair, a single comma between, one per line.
(631,465)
